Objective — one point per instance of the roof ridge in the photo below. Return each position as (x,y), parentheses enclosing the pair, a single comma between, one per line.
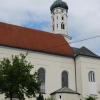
(19,26)
(88,50)
(65,90)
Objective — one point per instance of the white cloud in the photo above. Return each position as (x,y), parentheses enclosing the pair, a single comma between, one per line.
(84,16)
(21,11)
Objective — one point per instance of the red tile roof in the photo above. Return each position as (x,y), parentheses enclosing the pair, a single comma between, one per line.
(24,38)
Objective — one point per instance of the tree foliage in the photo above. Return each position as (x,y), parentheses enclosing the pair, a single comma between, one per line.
(15,78)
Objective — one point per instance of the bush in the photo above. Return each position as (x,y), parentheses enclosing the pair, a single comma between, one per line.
(90,98)
(50,98)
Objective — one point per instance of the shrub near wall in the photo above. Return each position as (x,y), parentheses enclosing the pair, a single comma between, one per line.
(90,98)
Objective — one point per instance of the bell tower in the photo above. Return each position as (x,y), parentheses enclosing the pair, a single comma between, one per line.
(59,11)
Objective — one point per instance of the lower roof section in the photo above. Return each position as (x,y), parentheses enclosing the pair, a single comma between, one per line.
(83,51)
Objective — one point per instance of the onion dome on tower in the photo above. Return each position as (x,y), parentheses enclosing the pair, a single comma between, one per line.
(59,3)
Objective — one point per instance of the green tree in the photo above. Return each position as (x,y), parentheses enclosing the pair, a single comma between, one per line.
(16,79)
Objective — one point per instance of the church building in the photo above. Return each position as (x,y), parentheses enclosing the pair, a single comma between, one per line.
(67,73)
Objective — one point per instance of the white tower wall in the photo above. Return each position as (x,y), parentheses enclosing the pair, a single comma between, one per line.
(57,20)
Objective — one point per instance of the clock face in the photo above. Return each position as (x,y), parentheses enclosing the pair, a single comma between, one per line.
(58,10)
(62,11)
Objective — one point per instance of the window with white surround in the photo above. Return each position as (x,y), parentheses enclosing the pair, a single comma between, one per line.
(64,79)
(92,83)
(91,76)
(41,75)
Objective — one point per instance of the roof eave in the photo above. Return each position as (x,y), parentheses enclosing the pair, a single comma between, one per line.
(65,92)
(98,57)
(64,55)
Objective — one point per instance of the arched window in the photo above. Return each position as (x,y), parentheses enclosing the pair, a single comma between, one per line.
(53,19)
(53,27)
(57,17)
(62,18)
(57,25)
(41,75)
(62,26)
(91,76)
(64,79)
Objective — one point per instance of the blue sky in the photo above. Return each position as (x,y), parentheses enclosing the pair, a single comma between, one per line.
(83,18)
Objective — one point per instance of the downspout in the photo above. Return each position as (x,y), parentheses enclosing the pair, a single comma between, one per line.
(75,73)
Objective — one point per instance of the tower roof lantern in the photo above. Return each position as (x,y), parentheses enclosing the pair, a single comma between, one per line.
(59,3)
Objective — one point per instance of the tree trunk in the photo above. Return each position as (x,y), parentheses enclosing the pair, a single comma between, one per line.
(10,96)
